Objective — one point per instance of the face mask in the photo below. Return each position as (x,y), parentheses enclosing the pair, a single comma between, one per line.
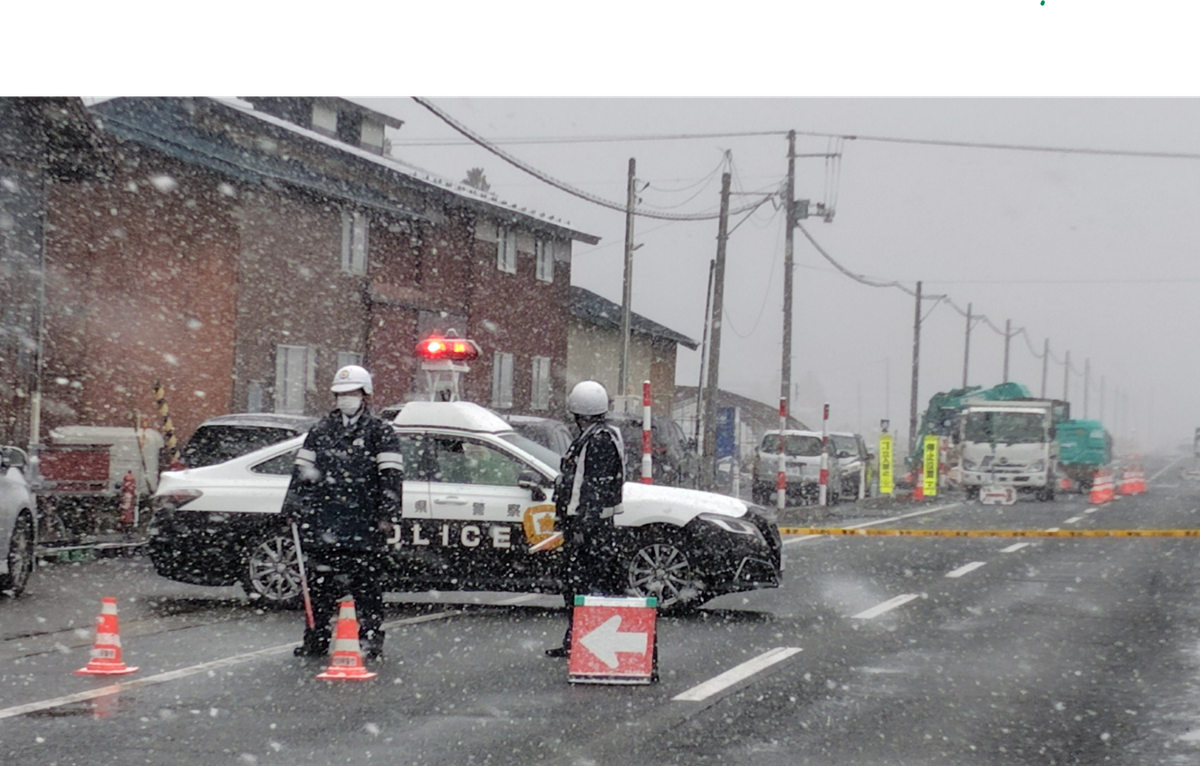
(349,404)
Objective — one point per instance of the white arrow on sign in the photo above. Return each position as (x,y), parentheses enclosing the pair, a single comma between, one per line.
(605,641)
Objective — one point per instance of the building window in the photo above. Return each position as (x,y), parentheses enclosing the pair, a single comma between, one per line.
(354,243)
(349,357)
(545,260)
(254,396)
(324,119)
(506,250)
(502,380)
(293,376)
(540,390)
(371,136)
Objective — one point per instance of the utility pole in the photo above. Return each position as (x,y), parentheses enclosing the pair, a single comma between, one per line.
(1067,378)
(1007,338)
(1087,375)
(785,378)
(912,405)
(967,347)
(704,341)
(627,294)
(1045,364)
(1101,398)
(708,456)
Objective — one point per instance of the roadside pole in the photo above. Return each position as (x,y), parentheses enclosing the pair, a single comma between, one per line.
(781,476)
(647,459)
(824,478)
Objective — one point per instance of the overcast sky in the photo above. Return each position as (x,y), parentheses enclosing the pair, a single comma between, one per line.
(1094,252)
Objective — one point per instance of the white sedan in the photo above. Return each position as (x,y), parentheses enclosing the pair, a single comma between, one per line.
(476,516)
(17,531)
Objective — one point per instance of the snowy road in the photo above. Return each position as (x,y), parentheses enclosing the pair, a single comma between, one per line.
(875,651)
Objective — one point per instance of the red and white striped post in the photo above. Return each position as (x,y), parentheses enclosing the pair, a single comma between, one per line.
(647,459)
(824,490)
(781,476)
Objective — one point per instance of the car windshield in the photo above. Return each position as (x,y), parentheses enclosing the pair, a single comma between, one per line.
(543,454)
(847,444)
(795,445)
(216,444)
(1005,427)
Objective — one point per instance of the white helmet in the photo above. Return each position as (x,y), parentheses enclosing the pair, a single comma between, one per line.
(588,398)
(351,378)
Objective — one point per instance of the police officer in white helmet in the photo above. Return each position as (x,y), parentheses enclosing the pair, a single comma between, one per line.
(587,496)
(344,497)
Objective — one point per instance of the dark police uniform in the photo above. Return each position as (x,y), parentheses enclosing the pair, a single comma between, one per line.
(347,480)
(587,496)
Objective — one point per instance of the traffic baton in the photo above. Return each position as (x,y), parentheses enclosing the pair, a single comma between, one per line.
(308,611)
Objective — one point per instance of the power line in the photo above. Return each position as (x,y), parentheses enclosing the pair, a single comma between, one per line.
(599,139)
(562,186)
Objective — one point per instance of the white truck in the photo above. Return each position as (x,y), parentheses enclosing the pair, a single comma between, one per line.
(1009,444)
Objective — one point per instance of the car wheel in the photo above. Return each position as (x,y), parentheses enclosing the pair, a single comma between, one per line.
(657,564)
(272,573)
(20,557)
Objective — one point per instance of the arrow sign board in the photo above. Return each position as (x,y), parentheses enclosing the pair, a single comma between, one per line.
(612,640)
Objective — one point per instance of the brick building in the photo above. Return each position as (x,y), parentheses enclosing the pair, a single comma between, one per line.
(241,250)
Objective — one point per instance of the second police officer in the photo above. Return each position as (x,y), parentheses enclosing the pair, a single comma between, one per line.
(587,497)
(345,495)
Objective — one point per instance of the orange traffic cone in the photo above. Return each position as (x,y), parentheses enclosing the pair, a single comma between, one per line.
(1139,480)
(346,663)
(1126,485)
(106,654)
(918,492)
(1064,484)
(1097,497)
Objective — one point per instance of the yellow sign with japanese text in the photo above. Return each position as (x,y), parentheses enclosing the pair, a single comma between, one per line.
(931,465)
(885,464)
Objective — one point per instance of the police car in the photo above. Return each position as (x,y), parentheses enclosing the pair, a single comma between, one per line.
(477,515)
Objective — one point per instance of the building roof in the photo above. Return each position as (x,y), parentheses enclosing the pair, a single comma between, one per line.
(592,308)
(762,415)
(167,125)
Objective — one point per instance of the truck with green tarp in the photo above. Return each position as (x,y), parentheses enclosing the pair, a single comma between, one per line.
(945,417)
(1083,447)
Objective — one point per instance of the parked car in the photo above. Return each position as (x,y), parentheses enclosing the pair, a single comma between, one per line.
(476,516)
(802,453)
(675,462)
(855,461)
(18,533)
(228,436)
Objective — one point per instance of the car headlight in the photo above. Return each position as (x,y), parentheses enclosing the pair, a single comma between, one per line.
(1037,465)
(968,465)
(736,526)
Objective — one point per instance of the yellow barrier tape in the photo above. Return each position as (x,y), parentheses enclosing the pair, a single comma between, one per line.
(992,532)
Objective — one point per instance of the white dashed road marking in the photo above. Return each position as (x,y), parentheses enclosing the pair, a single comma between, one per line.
(1013,548)
(962,570)
(886,606)
(734,675)
(1073,520)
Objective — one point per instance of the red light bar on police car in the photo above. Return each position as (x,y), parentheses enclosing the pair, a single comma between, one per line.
(447,349)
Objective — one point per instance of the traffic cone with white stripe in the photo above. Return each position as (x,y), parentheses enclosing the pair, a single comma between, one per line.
(106,654)
(346,663)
